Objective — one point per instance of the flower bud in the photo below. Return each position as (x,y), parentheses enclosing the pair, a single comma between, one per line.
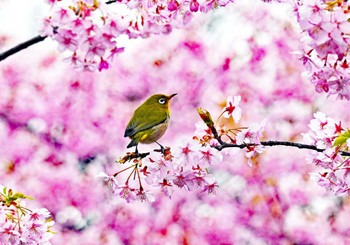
(194,6)
(206,117)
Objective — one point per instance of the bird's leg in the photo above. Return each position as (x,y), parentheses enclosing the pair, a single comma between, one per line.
(162,150)
(136,151)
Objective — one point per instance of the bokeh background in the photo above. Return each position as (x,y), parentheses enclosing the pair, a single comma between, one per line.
(61,127)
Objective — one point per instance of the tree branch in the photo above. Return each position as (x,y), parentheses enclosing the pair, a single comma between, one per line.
(136,155)
(22,46)
(222,145)
(30,42)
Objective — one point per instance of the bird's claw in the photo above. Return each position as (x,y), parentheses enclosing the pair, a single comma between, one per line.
(164,150)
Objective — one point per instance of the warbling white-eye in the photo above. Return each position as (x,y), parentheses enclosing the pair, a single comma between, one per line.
(150,121)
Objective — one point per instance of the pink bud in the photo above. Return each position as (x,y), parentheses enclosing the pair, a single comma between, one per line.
(194,6)
(172,6)
(103,65)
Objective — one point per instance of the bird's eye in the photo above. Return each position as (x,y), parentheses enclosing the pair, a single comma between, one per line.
(162,101)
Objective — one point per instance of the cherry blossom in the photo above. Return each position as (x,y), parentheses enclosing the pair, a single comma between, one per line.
(209,156)
(188,167)
(186,152)
(60,127)
(326,42)
(325,134)
(323,131)
(19,224)
(91,29)
(232,108)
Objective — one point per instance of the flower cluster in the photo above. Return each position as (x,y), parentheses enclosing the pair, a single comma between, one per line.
(19,224)
(57,144)
(326,37)
(251,137)
(209,134)
(189,166)
(88,30)
(328,135)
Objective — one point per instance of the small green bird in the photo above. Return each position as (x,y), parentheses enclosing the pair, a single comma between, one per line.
(150,121)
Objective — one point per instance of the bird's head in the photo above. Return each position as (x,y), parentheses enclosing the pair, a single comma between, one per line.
(159,100)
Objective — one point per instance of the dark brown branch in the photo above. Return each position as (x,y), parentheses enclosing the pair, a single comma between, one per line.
(222,145)
(21,46)
(30,42)
(132,155)
(136,155)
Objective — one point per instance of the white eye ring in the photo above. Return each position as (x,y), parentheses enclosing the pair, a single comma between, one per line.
(162,101)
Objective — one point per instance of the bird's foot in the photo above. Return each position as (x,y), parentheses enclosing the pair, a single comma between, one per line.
(141,155)
(137,154)
(164,150)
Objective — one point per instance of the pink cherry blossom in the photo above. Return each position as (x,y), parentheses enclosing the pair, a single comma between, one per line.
(20,224)
(186,152)
(59,126)
(323,133)
(326,42)
(232,108)
(209,156)
(127,193)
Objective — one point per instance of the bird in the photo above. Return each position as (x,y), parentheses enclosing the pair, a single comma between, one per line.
(149,121)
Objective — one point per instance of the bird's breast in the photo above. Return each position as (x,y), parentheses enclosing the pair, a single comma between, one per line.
(155,133)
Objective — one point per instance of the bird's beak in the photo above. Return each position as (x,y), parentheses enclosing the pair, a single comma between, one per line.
(172,96)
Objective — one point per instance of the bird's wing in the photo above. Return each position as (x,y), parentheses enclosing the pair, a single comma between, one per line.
(144,122)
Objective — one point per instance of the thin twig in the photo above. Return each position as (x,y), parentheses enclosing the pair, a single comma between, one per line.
(139,177)
(123,170)
(132,155)
(30,42)
(224,145)
(127,180)
(22,46)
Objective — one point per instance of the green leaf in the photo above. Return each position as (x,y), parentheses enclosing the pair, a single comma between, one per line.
(21,195)
(341,139)
(9,197)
